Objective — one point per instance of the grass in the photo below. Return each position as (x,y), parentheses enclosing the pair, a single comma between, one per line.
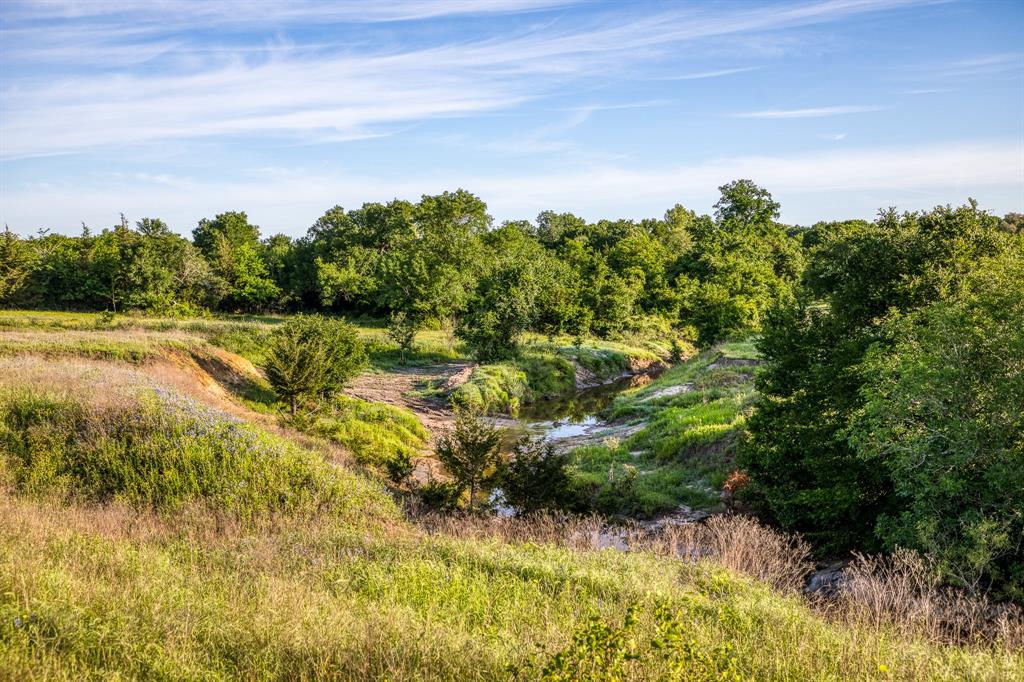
(244,335)
(146,536)
(154,448)
(95,592)
(543,370)
(375,433)
(681,432)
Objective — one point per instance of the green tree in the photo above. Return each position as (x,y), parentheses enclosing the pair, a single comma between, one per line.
(15,264)
(402,329)
(312,357)
(504,305)
(470,451)
(805,473)
(943,414)
(742,263)
(535,479)
(232,246)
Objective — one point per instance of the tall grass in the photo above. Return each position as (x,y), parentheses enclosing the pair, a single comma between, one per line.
(160,450)
(89,591)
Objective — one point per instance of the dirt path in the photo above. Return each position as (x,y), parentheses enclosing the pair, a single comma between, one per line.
(404,387)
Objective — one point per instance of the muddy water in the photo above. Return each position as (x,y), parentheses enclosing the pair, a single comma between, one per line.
(562,419)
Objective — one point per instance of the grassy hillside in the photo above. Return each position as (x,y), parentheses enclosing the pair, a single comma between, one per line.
(153,527)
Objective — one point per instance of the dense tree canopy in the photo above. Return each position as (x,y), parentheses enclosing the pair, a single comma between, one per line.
(809,476)
(943,415)
(438,261)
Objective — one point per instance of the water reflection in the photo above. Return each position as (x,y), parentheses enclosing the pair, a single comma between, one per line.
(570,417)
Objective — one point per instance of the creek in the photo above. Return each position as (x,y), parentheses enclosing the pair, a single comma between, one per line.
(565,421)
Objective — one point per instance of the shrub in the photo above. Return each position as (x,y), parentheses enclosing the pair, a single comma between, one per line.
(312,357)
(535,479)
(440,496)
(399,467)
(469,451)
(402,330)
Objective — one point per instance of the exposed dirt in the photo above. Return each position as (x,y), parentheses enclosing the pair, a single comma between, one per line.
(406,386)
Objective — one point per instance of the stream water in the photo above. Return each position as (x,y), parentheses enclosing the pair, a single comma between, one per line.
(570,417)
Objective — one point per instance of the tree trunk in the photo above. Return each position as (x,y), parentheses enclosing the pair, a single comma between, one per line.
(293,406)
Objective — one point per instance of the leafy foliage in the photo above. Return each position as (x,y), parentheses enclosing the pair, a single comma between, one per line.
(469,452)
(534,479)
(805,472)
(944,416)
(312,357)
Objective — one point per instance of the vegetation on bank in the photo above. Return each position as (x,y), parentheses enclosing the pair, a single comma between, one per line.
(544,370)
(672,442)
(892,392)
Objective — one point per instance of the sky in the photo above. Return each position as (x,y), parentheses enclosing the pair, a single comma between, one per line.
(185,109)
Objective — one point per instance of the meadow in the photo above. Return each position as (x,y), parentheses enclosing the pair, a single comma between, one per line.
(157,525)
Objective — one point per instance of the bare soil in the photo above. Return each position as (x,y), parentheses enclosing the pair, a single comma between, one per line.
(406,386)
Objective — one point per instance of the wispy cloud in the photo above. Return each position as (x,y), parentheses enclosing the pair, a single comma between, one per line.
(926,91)
(245,11)
(700,75)
(152,81)
(982,65)
(813,112)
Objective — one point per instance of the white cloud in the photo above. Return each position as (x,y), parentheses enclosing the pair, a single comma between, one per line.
(290,200)
(699,75)
(814,112)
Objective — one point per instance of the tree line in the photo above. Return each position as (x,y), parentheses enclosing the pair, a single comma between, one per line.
(439,262)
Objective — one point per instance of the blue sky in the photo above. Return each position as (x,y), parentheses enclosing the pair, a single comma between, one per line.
(185,109)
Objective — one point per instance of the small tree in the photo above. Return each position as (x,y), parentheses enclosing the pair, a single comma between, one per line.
(14,263)
(402,330)
(535,478)
(469,450)
(312,357)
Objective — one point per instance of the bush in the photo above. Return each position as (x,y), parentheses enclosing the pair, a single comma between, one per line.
(534,479)
(440,496)
(470,451)
(312,357)
(399,467)
(402,329)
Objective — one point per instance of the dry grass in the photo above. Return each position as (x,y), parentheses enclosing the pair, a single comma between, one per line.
(902,592)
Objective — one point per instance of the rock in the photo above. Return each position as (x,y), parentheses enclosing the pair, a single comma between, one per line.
(669,391)
(827,580)
(681,516)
